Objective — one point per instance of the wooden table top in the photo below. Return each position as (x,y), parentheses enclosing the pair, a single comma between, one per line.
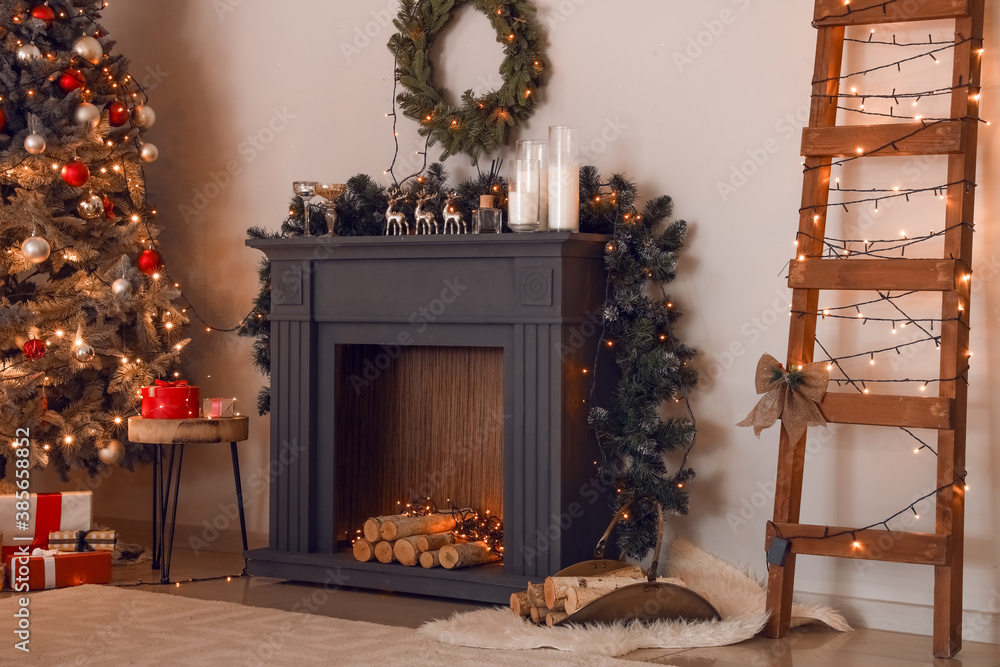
(188,431)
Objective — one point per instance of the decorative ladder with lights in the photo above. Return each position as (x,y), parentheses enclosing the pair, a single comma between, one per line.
(822,141)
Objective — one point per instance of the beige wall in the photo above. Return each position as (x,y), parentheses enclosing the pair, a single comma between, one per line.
(302,80)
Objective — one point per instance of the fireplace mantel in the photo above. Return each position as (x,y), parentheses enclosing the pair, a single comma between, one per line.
(538,297)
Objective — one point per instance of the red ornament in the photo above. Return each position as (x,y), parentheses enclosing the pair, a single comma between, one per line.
(34,349)
(72,79)
(75,173)
(3,119)
(149,262)
(117,113)
(44,13)
(109,208)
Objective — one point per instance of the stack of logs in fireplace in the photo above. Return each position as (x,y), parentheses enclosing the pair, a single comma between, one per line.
(419,540)
(561,597)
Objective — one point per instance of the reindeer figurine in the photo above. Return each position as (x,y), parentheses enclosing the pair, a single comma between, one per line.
(395,221)
(453,220)
(424,220)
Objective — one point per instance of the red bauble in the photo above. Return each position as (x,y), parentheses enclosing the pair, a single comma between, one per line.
(75,173)
(149,262)
(34,349)
(109,208)
(45,13)
(71,80)
(117,113)
(3,119)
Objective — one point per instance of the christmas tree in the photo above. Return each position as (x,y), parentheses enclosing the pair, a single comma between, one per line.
(636,434)
(86,311)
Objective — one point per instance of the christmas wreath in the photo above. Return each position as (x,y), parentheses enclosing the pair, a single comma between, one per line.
(480,123)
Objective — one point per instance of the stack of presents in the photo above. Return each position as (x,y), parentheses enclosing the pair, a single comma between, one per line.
(48,541)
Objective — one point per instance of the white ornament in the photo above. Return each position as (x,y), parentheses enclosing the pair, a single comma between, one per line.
(121,287)
(112,454)
(144,116)
(35,249)
(29,53)
(34,143)
(83,353)
(87,114)
(149,152)
(89,49)
(90,207)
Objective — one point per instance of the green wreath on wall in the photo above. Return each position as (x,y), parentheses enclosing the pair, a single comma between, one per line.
(480,124)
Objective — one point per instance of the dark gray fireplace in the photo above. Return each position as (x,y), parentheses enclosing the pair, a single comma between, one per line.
(455,365)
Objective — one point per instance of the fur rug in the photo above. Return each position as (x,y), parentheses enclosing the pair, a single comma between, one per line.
(739,598)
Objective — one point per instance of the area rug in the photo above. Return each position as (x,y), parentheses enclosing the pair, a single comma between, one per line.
(103,625)
(739,598)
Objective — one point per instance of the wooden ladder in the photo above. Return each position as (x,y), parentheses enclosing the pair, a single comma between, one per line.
(810,273)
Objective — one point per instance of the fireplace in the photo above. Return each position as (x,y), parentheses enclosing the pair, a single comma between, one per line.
(447,366)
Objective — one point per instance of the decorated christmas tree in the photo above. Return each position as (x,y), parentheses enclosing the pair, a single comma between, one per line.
(86,311)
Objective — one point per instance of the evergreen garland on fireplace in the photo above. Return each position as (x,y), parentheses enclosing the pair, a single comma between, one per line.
(656,369)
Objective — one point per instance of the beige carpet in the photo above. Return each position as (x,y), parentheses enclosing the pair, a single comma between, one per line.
(103,625)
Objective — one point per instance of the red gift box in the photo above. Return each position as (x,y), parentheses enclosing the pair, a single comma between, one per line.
(47,512)
(170,400)
(38,573)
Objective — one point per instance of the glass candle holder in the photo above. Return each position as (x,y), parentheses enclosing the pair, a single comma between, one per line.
(524,196)
(538,150)
(564,179)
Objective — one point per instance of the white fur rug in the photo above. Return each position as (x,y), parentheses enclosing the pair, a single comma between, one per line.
(739,598)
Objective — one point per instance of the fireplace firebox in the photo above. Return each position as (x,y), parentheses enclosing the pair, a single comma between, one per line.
(452,365)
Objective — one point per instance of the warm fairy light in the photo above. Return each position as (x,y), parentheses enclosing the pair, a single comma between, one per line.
(68,439)
(856,545)
(118,420)
(59,332)
(585,371)
(169,325)
(860,150)
(178,346)
(124,360)
(156,276)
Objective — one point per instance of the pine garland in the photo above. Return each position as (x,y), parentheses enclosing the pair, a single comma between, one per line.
(480,124)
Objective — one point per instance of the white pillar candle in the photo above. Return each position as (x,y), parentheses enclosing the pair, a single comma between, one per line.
(564,179)
(538,150)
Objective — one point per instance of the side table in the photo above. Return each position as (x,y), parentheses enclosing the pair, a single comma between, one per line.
(178,433)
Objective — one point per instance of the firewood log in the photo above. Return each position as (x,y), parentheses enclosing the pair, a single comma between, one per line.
(538,614)
(373,528)
(536,595)
(557,587)
(406,551)
(397,527)
(519,604)
(465,555)
(554,617)
(429,559)
(435,541)
(578,598)
(363,550)
(383,552)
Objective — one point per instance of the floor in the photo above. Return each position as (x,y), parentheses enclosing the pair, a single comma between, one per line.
(217,578)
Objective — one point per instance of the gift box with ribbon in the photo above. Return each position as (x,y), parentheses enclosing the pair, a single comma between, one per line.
(47,513)
(82,540)
(45,569)
(218,408)
(170,400)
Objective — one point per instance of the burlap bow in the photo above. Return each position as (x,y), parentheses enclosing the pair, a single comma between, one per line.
(792,396)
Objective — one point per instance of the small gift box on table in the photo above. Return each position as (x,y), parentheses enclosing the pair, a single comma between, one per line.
(170,400)
(218,408)
(47,512)
(48,569)
(83,540)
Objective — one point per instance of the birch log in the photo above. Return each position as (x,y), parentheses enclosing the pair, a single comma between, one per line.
(373,528)
(556,588)
(406,551)
(554,617)
(519,604)
(397,527)
(383,552)
(435,541)
(429,559)
(538,614)
(536,595)
(578,598)
(466,555)
(363,550)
